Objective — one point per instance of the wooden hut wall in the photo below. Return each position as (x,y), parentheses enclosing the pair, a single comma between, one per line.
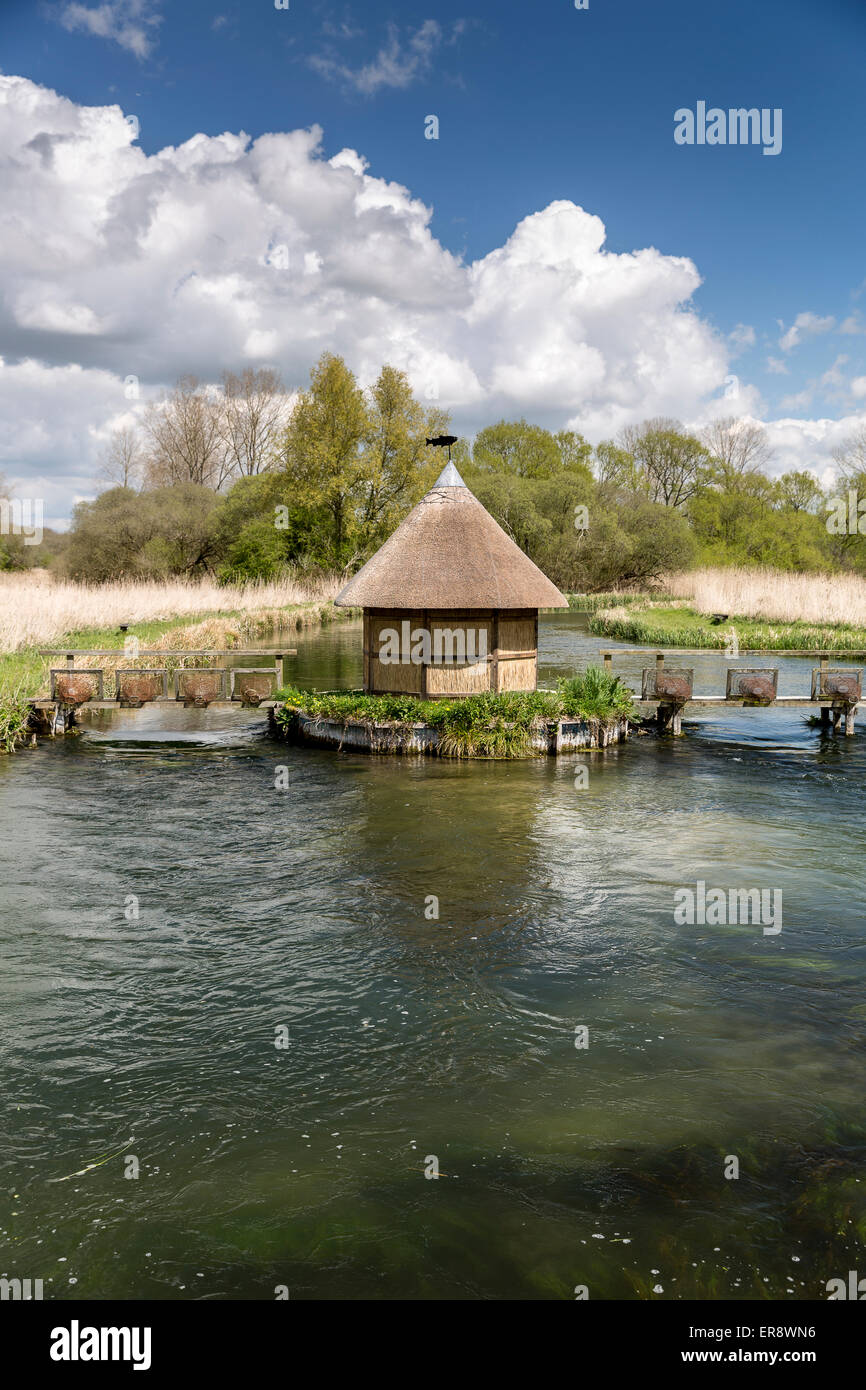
(445,678)
(517,650)
(511,638)
(386,677)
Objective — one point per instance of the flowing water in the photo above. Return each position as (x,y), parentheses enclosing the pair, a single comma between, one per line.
(148,1043)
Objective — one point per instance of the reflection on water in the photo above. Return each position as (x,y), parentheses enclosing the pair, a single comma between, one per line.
(412,1036)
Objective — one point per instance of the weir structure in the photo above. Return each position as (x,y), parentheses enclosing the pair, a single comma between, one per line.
(80,688)
(667,692)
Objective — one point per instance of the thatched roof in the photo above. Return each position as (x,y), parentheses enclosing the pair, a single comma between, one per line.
(450,553)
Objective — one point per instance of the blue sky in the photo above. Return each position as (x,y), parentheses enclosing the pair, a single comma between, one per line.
(540,103)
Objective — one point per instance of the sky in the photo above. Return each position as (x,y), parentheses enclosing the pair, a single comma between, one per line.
(187,187)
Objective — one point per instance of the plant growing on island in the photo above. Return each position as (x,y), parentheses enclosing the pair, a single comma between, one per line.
(487,725)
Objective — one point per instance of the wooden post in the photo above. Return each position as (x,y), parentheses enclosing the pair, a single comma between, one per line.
(70,661)
(367,627)
(279,670)
(660,662)
(677,721)
(825,716)
(850,716)
(608,660)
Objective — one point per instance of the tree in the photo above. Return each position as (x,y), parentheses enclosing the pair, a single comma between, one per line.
(123,459)
(167,531)
(575,454)
(673,463)
(323,449)
(513,446)
(252,419)
(398,467)
(185,438)
(359,458)
(800,491)
(738,448)
(850,456)
(626,541)
(616,468)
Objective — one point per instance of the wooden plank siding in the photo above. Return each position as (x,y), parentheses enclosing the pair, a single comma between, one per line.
(511,662)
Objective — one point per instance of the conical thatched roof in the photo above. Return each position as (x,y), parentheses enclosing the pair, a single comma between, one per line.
(450,553)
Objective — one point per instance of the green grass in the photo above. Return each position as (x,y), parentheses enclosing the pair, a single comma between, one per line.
(661,625)
(478,726)
(595,694)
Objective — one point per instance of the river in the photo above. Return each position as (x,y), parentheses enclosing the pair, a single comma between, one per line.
(225,1166)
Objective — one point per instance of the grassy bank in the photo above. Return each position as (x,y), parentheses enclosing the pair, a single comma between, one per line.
(765,609)
(479,726)
(157,614)
(664,624)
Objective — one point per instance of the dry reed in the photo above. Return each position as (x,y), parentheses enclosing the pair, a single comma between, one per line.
(37,611)
(774,595)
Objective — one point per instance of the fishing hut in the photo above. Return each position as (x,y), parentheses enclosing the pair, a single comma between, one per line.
(450,602)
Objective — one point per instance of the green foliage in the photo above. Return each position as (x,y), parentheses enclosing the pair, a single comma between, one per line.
(627,540)
(528,451)
(595,694)
(590,603)
(14,716)
(479,726)
(350,464)
(168,531)
(756,524)
(356,463)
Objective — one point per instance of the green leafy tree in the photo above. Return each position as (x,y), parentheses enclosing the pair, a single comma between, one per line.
(517,448)
(166,531)
(359,459)
(672,464)
(323,449)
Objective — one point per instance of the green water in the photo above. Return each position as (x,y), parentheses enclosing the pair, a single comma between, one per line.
(411,1037)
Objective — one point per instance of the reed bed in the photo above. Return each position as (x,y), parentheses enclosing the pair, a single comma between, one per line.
(36,610)
(774,595)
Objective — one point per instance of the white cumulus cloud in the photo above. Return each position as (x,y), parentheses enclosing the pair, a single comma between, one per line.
(222,252)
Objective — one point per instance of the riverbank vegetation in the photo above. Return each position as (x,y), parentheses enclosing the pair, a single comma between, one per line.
(664,626)
(758,609)
(774,595)
(37,611)
(479,726)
